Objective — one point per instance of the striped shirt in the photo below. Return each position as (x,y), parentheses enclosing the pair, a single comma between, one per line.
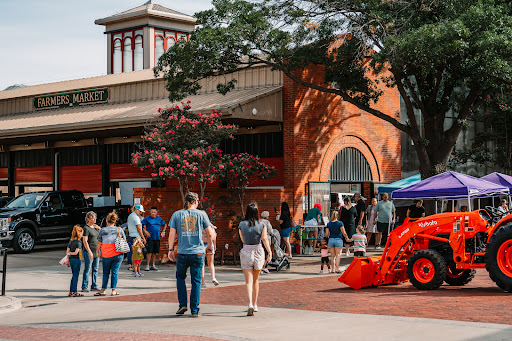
(359,242)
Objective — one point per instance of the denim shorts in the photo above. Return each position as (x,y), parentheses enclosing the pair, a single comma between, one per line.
(335,242)
(286,232)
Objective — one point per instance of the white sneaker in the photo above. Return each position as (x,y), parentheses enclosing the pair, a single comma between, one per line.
(255,308)
(147,268)
(377,247)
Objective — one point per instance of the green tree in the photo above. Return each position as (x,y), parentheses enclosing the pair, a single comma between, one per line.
(493,146)
(443,56)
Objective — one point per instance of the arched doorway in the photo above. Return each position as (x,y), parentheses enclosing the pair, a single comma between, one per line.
(349,173)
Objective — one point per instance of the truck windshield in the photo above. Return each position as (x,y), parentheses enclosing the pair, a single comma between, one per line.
(26,201)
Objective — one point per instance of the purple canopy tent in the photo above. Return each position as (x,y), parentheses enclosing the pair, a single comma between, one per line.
(499,179)
(451,186)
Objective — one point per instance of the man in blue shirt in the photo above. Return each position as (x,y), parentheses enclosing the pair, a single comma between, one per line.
(189,224)
(152,226)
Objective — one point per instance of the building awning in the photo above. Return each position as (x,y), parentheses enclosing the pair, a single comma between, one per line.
(256,104)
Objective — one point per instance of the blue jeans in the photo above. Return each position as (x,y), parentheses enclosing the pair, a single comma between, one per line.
(130,253)
(111,266)
(74,264)
(195,263)
(88,263)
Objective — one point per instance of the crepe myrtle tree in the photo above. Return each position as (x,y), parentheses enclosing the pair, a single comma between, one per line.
(182,144)
(239,171)
(443,56)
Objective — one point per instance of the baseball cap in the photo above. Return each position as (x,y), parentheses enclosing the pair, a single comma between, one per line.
(357,194)
(140,208)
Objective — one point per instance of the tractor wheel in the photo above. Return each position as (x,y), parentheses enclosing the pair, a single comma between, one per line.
(460,277)
(498,257)
(426,269)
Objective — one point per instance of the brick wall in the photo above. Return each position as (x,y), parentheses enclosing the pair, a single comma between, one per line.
(168,200)
(316,127)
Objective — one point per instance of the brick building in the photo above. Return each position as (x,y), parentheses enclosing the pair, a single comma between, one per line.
(79,134)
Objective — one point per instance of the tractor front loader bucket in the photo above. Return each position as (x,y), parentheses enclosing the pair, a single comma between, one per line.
(361,272)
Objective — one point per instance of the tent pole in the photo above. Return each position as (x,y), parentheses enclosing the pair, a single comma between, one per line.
(469,204)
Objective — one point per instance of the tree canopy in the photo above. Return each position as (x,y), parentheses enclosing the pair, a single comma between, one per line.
(443,56)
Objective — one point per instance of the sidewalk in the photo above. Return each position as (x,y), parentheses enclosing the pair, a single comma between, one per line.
(9,304)
(299,304)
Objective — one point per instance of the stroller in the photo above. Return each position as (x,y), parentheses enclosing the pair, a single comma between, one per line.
(279,260)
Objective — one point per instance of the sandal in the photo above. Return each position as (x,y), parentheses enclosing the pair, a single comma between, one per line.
(77,294)
(114,293)
(70,294)
(99,293)
(215,282)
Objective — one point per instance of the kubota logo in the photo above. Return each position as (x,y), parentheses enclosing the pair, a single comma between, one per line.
(428,223)
(403,232)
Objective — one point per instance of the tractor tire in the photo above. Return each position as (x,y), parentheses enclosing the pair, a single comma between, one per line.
(427,269)
(24,240)
(459,278)
(498,257)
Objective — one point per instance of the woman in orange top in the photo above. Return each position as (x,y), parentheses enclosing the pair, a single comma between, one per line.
(111,259)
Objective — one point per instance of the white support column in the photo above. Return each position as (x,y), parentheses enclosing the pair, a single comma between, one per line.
(109,53)
(149,47)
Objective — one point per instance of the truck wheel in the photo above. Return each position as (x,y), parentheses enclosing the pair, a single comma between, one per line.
(24,240)
(426,269)
(460,277)
(498,257)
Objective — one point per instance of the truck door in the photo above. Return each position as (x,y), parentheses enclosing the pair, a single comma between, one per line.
(75,207)
(53,216)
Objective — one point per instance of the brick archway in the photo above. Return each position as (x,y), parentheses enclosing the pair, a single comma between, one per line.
(344,142)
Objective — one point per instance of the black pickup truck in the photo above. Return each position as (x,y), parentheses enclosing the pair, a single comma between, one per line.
(43,216)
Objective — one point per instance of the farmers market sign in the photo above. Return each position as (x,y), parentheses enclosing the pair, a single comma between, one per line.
(71,99)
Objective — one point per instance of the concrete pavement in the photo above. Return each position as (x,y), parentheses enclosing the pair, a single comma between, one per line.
(298,304)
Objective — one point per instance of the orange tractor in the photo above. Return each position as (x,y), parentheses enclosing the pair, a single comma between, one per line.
(445,247)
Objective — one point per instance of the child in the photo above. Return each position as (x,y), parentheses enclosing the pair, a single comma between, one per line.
(73,251)
(138,256)
(359,242)
(325,255)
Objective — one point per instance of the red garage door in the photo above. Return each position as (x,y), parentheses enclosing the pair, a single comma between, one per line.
(127,172)
(83,178)
(34,175)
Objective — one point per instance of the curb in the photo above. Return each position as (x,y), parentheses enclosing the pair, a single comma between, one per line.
(8,304)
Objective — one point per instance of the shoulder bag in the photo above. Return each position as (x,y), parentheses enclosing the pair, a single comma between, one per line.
(121,243)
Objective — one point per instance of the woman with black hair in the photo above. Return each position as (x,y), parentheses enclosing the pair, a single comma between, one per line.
(284,220)
(252,256)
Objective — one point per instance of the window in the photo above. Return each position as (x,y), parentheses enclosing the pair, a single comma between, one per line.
(159,48)
(127,55)
(73,199)
(118,57)
(138,55)
(128,51)
(165,39)
(170,42)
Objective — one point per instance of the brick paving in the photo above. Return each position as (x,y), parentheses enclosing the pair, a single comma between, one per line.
(53,334)
(479,301)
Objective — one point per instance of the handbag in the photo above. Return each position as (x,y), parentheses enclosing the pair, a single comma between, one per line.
(121,243)
(293,223)
(64,261)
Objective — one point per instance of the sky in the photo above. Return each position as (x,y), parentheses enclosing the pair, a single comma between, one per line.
(55,40)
